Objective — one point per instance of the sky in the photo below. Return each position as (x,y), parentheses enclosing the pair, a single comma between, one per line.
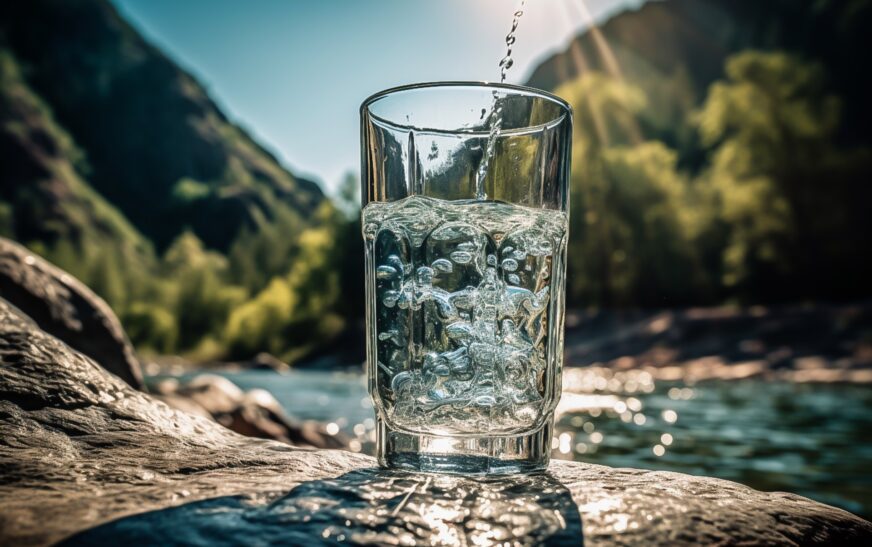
(294,72)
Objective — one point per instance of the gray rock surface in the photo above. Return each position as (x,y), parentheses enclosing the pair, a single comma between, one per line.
(64,307)
(253,413)
(87,459)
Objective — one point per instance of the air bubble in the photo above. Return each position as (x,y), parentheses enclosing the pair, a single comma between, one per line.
(425,275)
(443,265)
(401,381)
(390,298)
(461,257)
(386,272)
(485,400)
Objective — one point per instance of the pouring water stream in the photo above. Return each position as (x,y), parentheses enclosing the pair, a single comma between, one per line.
(497,107)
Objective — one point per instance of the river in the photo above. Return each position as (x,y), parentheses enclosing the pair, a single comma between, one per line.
(811,439)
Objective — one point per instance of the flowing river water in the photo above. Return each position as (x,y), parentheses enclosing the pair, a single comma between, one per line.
(811,439)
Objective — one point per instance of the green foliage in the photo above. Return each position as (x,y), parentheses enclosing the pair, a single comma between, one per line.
(774,171)
(188,190)
(771,215)
(106,277)
(151,326)
(632,226)
(257,256)
(202,297)
(294,310)
(257,325)
(347,199)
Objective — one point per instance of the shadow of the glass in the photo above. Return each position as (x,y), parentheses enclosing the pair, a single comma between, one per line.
(367,506)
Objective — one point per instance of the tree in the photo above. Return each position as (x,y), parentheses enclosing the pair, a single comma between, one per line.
(201,299)
(779,179)
(295,311)
(632,230)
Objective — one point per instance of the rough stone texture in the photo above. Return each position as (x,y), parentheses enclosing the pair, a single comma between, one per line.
(64,307)
(79,450)
(253,413)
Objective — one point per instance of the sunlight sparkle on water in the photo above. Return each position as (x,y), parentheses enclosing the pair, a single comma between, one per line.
(564,443)
(438,518)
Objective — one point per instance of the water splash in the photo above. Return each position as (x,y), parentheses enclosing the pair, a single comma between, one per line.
(497,107)
(507,62)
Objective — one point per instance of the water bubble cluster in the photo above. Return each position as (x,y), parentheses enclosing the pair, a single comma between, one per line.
(462,337)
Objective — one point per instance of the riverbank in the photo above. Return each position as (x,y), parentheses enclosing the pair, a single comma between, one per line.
(798,343)
(821,343)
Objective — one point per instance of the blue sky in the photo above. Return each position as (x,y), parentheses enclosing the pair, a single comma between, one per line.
(294,73)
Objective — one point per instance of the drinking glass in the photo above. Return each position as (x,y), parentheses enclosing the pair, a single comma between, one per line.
(465,229)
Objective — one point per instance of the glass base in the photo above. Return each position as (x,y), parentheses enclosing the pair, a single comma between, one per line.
(499,455)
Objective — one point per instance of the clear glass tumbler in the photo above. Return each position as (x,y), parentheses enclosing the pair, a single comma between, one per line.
(465,231)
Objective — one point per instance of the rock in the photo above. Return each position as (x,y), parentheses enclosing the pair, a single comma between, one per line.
(216,394)
(89,460)
(64,307)
(254,413)
(266,361)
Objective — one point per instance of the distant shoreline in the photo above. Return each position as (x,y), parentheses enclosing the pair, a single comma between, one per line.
(823,343)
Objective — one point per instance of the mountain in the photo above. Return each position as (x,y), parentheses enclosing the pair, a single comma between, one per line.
(116,166)
(674,49)
(43,193)
(103,132)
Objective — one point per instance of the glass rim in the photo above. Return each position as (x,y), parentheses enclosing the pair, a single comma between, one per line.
(565,107)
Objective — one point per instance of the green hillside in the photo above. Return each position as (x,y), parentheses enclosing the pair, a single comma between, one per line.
(156,146)
(45,198)
(721,153)
(118,167)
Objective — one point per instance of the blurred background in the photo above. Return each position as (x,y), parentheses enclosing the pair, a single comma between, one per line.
(196,165)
